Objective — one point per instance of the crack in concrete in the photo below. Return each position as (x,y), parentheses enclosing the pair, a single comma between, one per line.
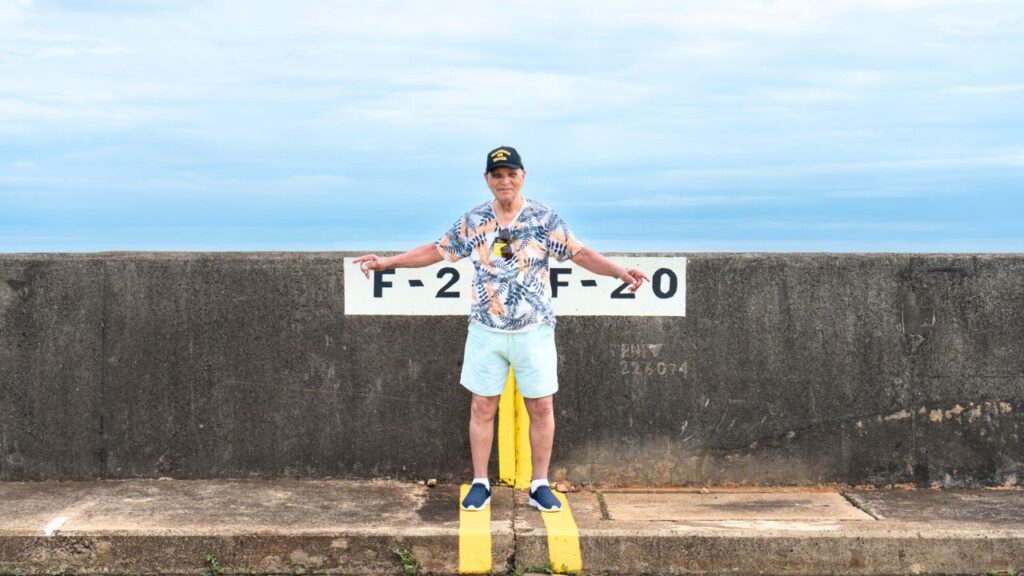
(604,506)
(511,561)
(859,505)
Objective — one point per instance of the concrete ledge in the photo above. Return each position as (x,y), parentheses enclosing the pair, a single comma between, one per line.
(262,527)
(341,527)
(789,369)
(786,532)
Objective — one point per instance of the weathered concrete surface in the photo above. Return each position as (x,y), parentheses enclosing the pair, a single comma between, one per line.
(51,367)
(791,532)
(789,369)
(986,507)
(217,365)
(348,527)
(170,526)
(630,505)
(800,369)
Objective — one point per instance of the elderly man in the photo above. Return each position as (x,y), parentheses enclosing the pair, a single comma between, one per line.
(512,321)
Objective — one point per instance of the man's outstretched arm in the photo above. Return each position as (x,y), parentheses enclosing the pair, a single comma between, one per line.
(416,258)
(593,260)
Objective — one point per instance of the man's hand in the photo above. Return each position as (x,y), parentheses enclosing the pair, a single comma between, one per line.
(418,257)
(372,262)
(635,278)
(593,260)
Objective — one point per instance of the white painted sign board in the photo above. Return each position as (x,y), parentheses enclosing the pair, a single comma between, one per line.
(444,289)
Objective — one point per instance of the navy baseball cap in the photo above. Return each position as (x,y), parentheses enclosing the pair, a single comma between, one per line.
(503,156)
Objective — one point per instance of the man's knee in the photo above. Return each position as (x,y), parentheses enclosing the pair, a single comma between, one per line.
(483,408)
(540,407)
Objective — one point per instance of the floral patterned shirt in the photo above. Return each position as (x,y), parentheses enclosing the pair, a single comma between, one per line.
(514,294)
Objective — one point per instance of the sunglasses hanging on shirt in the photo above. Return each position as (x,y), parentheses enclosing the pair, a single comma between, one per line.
(503,244)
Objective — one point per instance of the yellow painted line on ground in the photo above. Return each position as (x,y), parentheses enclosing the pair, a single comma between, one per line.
(474,538)
(563,538)
(515,467)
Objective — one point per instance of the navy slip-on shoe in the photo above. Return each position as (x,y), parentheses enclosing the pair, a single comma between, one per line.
(543,500)
(477,498)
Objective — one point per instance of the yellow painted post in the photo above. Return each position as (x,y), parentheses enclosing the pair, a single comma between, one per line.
(524,456)
(507,432)
(515,464)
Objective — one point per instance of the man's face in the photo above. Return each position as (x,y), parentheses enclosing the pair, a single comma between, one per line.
(505,182)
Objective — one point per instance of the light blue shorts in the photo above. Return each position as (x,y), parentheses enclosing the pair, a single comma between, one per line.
(532,356)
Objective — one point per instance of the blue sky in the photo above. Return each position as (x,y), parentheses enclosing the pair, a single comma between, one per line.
(735,125)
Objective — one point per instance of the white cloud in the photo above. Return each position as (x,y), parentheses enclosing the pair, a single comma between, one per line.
(689,200)
(807,96)
(477,96)
(881,192)
(1007,160)
(13,11)
(987,89)
(850,225)
(744,96)
(401,63)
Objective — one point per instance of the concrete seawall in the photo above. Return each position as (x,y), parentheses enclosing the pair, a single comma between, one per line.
(787,369)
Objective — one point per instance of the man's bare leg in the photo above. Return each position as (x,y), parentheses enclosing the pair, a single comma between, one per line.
(481,431)
(542,433)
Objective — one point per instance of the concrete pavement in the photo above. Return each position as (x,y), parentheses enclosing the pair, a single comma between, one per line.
(292,526)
